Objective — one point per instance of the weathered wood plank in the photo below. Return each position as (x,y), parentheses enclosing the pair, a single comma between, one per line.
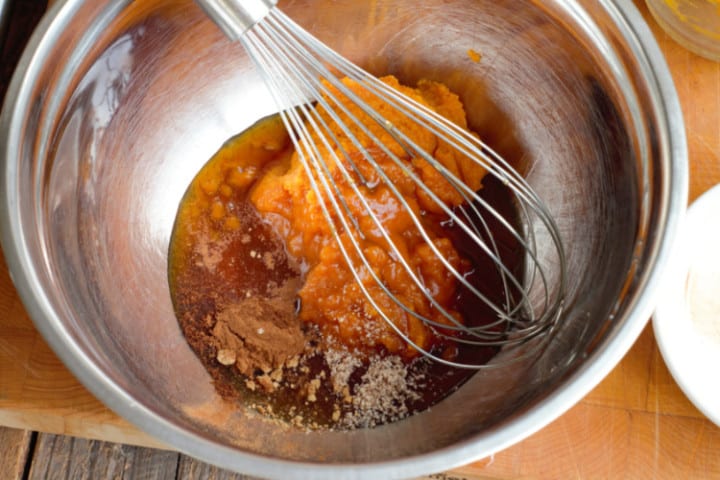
(63,457)
(190,469)
(14,451)
(152,464)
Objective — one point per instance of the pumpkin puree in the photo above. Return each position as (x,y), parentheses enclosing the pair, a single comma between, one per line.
(330,296)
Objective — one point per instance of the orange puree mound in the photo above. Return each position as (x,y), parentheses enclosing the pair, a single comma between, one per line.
(331,297)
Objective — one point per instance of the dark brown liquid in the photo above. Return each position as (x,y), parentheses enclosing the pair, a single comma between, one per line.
(207,269)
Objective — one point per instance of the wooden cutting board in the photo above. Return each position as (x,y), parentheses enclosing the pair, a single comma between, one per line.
(635,424)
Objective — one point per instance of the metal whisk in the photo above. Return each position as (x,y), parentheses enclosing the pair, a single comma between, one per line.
(300,71)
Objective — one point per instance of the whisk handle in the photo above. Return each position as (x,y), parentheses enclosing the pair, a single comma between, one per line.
(234,17)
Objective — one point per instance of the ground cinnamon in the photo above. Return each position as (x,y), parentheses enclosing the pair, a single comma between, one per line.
(261,332)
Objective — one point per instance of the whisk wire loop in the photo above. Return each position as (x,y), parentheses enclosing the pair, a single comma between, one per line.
(313,156)
(469,145)
(300,70)
(322,100)
(397,135)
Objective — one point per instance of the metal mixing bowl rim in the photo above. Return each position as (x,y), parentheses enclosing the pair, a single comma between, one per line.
(671,134)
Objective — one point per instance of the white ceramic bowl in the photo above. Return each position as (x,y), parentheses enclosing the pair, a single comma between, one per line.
(687,319)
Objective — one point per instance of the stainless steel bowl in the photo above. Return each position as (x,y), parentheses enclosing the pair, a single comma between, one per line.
(117,104)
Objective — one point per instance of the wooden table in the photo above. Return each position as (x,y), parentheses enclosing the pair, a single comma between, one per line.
(635,424)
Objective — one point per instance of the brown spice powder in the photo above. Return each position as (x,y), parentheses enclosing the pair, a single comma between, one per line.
(262,330)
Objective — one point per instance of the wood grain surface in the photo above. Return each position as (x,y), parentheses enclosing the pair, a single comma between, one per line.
(32,456)
(15,446)
(635,424)
(63,457)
